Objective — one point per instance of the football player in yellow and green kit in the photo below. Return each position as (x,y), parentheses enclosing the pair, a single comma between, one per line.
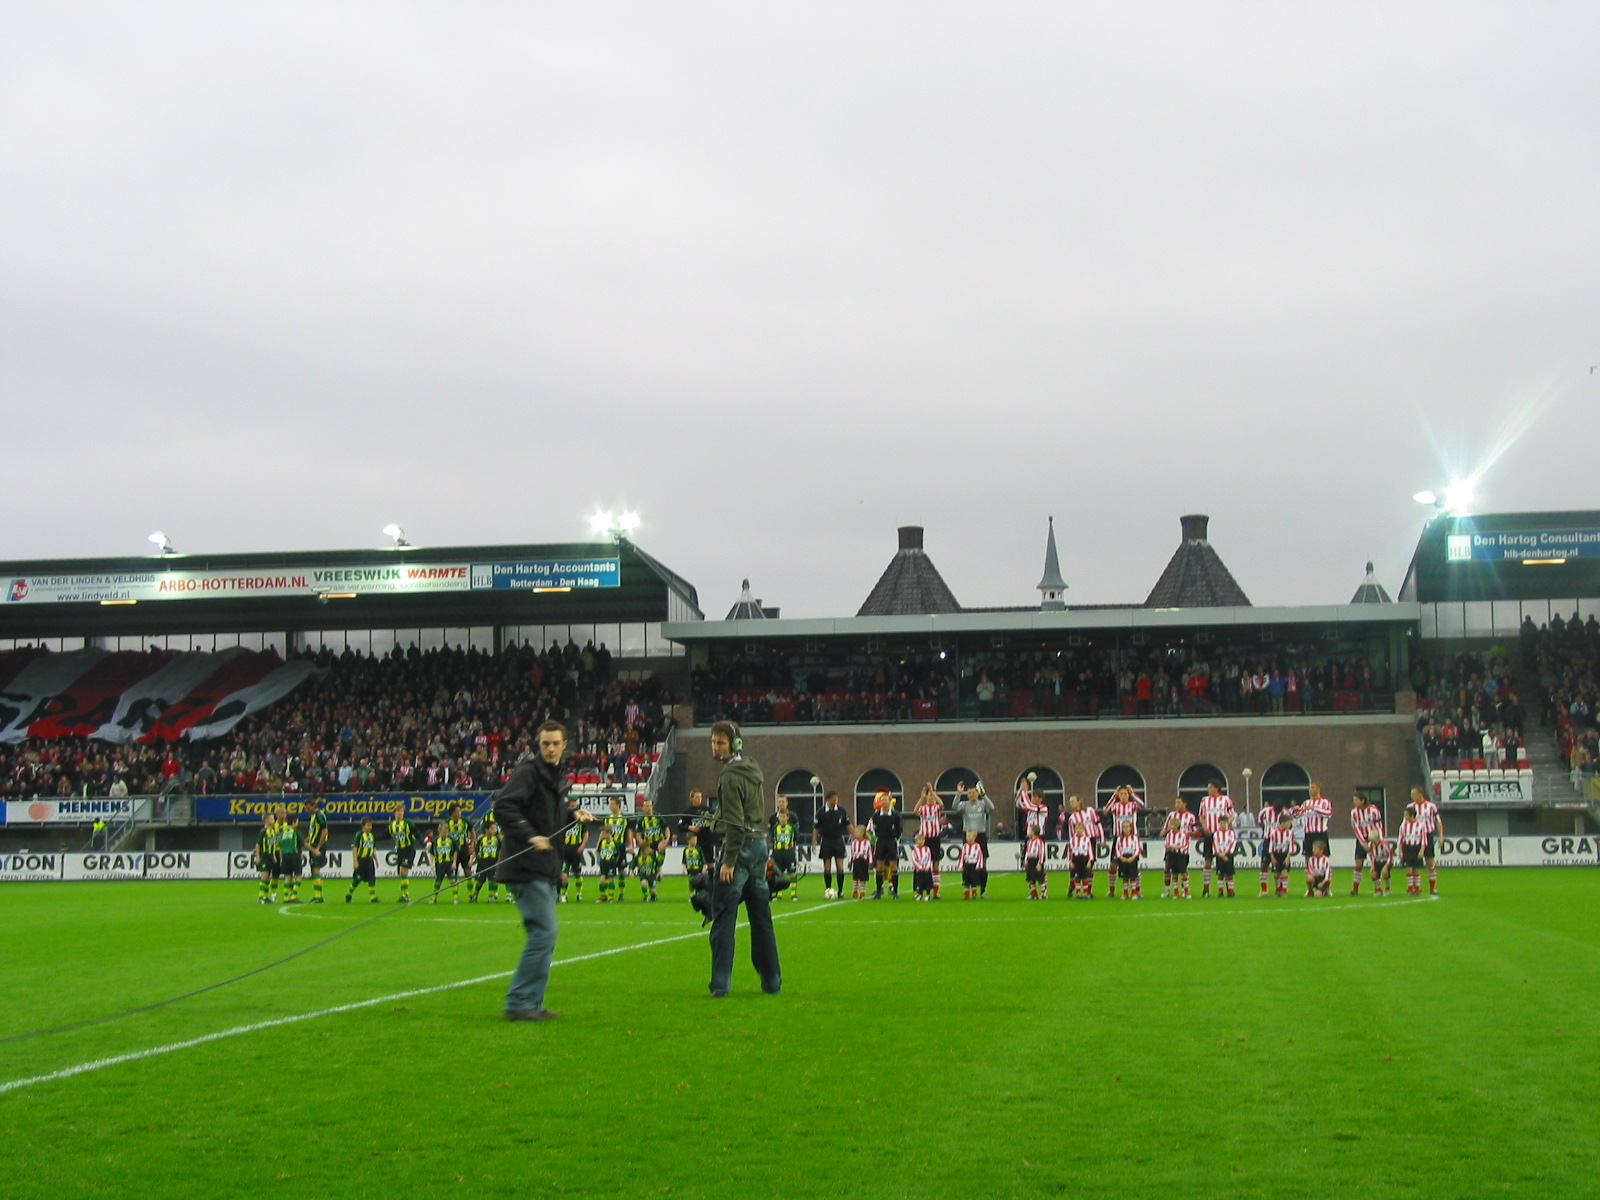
(694,858)
(612,855)
(265,855)
(290,863)
(364,856)
(488,858)
(461,833)
(785,835)
(404,836)
(444,862)
(572,843)
(616,822)
(317,848)
(647,862)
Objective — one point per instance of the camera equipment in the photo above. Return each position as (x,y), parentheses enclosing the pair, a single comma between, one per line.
(700,894)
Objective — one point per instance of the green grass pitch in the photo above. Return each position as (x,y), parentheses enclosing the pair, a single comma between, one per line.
(1271,1048)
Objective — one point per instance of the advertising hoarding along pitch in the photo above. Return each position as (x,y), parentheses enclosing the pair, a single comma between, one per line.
(37,866)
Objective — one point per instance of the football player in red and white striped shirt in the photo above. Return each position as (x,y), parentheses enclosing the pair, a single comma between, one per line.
(1214,806)
(1319,874)
(1380,855)
(1224,845)
(1413,838)
(1366,822)
(1033,854)
(1280,849)
(921,869)
(1316,811)
(1125,853)
(974,875)
(1428,814)
(931,826)
(1267,821)
(1031,814)
(1179,832)
(1083,831)
(1124,805)
(860,862)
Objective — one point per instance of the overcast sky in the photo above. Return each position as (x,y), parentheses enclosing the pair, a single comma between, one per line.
(782,277)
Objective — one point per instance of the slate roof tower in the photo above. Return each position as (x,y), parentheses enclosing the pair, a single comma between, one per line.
(910,585)
(1196,576)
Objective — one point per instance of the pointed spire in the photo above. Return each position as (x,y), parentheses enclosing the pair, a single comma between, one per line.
(1052,588)
(1371,591)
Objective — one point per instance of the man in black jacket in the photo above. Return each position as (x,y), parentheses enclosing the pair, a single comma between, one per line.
(532,810)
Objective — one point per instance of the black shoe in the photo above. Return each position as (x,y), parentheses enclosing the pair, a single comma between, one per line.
(719,995)
(532,1014)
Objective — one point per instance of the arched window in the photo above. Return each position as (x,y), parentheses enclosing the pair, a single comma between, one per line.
(947,783)
(1285,783)
(867,787)
(1045,785)
(1192,783)
(1112,778)
(805,798)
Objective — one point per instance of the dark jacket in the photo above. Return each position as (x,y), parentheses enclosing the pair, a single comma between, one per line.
(533,802)
(741,808)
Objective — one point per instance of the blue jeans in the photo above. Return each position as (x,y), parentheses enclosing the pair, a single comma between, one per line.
(536,901)
(749,887)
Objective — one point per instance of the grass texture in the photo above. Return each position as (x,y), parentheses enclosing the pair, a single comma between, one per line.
(996,1048)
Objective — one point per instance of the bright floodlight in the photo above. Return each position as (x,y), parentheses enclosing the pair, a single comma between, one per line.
(394,531)
(1458,496)
(628,521)
(1426,497)
(161,541)
(600,522)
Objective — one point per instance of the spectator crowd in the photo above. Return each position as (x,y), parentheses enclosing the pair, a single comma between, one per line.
(764,686)
(437,720)
(1565,657)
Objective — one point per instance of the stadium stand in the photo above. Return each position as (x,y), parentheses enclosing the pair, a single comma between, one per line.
(437,720)
(773,685)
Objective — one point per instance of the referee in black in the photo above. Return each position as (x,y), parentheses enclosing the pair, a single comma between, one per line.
(828,835)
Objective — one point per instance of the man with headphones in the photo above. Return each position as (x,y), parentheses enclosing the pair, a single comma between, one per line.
(742,866)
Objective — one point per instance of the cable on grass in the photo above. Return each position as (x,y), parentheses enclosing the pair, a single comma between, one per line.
(287,958)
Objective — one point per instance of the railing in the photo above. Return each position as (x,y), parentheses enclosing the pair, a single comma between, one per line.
(765,707)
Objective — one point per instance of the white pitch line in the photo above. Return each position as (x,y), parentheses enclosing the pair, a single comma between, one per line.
(1147,915)
(255,1027)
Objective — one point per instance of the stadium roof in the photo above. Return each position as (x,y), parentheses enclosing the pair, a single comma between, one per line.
(409,587)
(1033,622)
(1196,576)
(1506,556)
(910,584)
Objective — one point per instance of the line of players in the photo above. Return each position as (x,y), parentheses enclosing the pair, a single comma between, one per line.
(464,857)
(1210,833)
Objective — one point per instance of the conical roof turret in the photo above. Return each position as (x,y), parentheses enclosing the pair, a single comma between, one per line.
(1196,576)
(1371,591)
(910,585)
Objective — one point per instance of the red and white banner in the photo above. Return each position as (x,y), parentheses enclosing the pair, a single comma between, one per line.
(132,696)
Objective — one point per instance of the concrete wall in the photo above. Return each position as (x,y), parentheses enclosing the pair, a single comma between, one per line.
(1342,753)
